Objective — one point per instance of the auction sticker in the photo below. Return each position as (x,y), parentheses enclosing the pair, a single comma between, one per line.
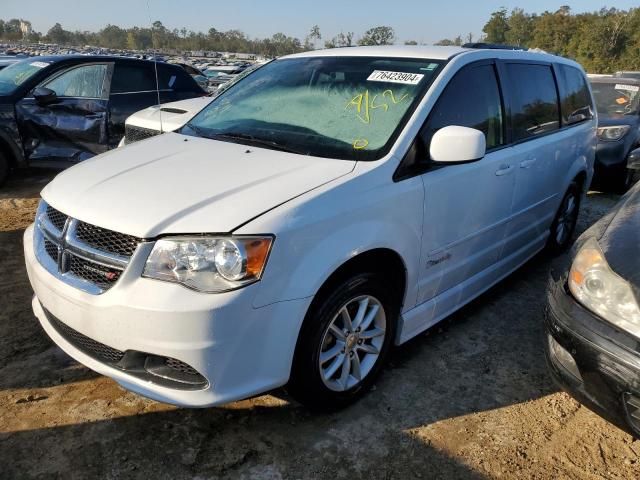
(395,77)
(39,64)
(628,88)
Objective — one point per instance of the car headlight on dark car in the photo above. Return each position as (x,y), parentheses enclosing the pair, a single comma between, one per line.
(613,133)
(596,286)
(209,264)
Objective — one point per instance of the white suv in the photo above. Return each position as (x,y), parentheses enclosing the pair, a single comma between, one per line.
(330,205)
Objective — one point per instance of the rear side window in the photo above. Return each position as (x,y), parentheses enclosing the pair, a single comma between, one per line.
(471,99)
(575,100)
(534,107)
(133,78)
(176,79)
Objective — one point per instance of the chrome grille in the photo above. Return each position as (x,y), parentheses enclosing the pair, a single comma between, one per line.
(56,217)
(135,134)
(107,240)
(102,276)
(88,257)
(51,249)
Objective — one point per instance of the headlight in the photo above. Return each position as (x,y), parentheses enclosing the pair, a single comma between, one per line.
(601,290)
(611,134)
(209,264)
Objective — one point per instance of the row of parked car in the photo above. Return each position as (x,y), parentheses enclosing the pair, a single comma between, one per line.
(325,207)
(23,139)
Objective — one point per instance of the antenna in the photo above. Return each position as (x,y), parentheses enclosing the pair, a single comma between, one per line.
(155,67)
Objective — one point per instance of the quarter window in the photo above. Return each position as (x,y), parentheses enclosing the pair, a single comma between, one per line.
(471,99)
(86,81)
(534,108)
(575,103)
(133,78)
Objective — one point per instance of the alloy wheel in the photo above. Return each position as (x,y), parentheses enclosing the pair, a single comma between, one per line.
(352,343)
(567,218)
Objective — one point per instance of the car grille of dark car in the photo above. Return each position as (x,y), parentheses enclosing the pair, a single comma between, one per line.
(632,406)
(135,134)
(171,371)
(70,246)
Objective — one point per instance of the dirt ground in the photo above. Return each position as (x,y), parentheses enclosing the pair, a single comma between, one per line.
(469,399)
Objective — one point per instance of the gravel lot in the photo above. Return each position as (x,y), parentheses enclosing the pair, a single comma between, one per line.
(469,399)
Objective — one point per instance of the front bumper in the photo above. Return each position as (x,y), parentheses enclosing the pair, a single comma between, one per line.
(611,161)
(240,350)
(600,365)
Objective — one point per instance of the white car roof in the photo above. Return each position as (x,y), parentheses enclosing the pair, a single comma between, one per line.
(431,53)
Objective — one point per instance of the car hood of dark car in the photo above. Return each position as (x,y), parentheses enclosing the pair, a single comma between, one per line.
(611,120)
(620,241)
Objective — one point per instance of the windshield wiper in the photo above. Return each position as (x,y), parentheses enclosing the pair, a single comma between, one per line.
(258,142)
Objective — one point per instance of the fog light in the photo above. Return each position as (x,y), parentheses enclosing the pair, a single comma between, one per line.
(564,358)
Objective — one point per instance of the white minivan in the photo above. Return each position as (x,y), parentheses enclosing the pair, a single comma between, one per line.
(328,206)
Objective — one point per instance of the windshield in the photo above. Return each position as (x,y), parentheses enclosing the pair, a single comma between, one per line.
(616,98)
(15,75)
(338,107)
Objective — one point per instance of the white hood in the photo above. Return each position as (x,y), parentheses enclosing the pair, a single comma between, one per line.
(174,115)
(178,184)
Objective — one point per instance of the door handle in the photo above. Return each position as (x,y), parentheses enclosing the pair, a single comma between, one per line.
(504,170)
(527,163)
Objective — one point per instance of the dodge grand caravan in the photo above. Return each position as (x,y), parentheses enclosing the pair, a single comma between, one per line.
(319,211)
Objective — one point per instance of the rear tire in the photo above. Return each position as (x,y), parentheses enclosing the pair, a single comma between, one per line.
(344,342)
(4,168)
(564,224)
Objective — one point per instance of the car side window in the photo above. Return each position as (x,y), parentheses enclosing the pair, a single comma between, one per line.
(534,107)
(175,78)
(575,101)
(133,78)
(86,81)
(471,99)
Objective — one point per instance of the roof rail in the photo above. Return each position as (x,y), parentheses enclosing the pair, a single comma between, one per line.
(492,46)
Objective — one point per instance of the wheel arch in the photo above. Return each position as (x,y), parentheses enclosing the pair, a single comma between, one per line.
(10,149)
(379,260)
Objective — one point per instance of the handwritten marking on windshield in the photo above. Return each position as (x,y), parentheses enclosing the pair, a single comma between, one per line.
(363,104)
(360,143)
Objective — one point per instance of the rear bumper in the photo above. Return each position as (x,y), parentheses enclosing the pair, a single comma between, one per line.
(240,350)
(606,374)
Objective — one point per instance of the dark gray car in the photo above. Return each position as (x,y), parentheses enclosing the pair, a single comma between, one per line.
(618,153)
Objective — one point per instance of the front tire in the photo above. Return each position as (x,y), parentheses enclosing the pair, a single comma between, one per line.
(344,342)
(564,224)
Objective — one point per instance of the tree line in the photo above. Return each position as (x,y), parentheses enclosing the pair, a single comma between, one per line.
(159,37)
(602,41)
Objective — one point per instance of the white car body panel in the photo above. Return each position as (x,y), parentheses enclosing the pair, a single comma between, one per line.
(152,118)
(458,230)
(228,188)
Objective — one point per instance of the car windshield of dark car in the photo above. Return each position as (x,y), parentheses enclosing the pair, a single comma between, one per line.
(616,98)
(15,75)
(338,107)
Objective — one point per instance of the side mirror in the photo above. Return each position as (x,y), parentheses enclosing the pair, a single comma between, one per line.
(45,96)
(456,144)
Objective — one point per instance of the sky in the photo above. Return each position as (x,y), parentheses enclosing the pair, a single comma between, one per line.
(425,21)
